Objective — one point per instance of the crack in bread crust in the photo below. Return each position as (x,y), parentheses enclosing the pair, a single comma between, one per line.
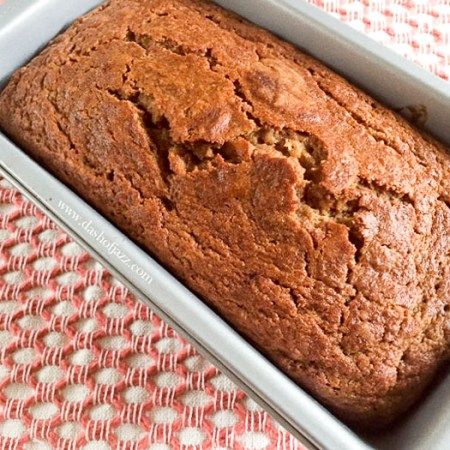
(312,218)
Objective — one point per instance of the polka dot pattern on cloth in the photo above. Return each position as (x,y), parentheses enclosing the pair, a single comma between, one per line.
(416,29)
(85,365)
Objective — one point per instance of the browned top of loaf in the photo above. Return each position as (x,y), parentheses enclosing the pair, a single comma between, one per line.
(313,218)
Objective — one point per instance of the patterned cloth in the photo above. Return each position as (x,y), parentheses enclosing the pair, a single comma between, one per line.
(84,365)
(417,29)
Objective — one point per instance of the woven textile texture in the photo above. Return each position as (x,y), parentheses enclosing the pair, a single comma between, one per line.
(417,29)
(85,365)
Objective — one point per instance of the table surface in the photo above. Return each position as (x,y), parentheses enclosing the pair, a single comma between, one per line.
(84,365)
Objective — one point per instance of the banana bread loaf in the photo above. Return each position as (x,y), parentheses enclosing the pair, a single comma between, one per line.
(312,218)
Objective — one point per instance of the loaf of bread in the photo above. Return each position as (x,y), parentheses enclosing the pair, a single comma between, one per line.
(312,218)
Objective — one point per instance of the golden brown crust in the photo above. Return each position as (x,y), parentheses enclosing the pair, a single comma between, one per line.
(311,217)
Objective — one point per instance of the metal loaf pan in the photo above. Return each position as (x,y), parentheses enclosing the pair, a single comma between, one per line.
(26,26)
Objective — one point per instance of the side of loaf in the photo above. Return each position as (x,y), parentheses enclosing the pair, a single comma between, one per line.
(312,218)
